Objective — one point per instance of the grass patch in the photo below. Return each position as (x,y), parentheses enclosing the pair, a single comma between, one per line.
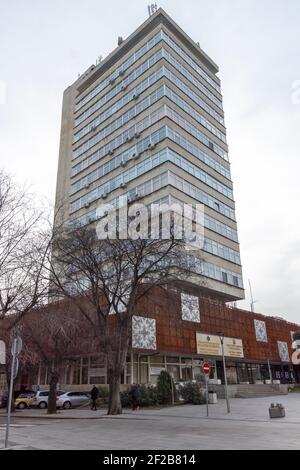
(295,390)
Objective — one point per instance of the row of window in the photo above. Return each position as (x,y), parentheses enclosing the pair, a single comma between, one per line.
(222,251)
(180,68)
(214,272)
(123,119)
(142,69)
(194,150)
(185,124)
(133,131)
(152,162)
(140,53)
(196,193)
(190,263)
(190,110)
(190,61)
(127,135)
(136,150)
(200,174)
(120,87)
(119,70)
(134,94)
(209,222)
(120,160)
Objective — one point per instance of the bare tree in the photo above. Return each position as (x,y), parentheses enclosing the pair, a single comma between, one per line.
(50,337)
(106,277)
(24,246)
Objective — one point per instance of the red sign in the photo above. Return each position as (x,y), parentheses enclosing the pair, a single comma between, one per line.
(206,368)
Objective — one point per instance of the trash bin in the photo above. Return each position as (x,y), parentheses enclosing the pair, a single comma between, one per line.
(212,398)
(277,411)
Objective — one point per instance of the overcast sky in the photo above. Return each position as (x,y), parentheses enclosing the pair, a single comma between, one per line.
(45,44)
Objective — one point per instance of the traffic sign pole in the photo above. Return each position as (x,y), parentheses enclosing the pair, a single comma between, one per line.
(206,378)
(15,351)
(206,371)
(11,385)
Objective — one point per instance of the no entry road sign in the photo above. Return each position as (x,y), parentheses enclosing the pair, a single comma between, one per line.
(206,368)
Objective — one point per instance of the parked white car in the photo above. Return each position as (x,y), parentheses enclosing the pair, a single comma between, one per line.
(72,399)
(40,399)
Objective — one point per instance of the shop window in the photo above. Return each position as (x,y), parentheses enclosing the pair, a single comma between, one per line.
(172,360)
(157,359)
(144,373)
(186,373)
(84,376)
(174,372)
(76,372)
(186,360)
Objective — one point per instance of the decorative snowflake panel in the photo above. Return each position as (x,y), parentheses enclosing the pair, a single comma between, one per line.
(143,333)
(260,331)
(283,351)
(190,308)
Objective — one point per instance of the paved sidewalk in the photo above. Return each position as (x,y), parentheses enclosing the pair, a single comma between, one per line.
(253,409)
(60,414)
(248,426)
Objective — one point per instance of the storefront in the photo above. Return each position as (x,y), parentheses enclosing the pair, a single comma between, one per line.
(144,369)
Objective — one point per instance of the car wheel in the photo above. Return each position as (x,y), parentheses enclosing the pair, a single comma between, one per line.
(67,405)
(21,406)
(42,405)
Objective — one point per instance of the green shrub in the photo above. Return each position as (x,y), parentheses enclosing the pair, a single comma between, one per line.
(147,396)
(165,384)
(191,393)
(125,399)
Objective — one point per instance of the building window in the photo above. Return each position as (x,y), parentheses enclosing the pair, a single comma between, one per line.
(224,277)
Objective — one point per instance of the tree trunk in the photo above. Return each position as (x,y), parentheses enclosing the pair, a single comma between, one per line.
(114,399)
(52,393)
(117,364)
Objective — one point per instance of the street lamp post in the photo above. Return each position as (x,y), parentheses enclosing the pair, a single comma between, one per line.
(221,336)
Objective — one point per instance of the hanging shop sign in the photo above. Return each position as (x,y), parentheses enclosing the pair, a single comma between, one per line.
(210,345)
(156,370)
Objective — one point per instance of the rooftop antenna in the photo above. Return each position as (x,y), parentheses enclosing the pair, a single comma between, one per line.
(152,8)
(251,297)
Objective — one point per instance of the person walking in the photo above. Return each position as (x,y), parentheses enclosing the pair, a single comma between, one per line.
(94,397)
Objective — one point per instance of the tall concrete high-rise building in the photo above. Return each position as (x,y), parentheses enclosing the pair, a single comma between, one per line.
(148,122)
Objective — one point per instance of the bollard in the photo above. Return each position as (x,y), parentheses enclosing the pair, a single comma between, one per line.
(276,411)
